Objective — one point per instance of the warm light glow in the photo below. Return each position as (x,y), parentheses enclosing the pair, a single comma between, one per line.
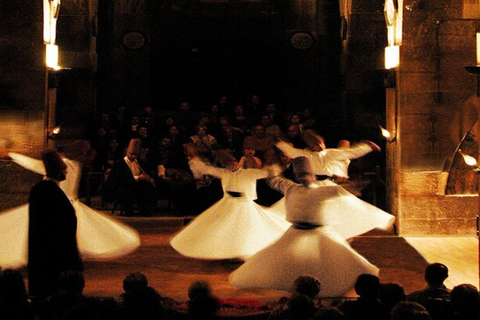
(392,57)
(478,48)
(385,133)
(51,9)
(391,35)
(399,24)
(56,130)
(469,160)
(52,56)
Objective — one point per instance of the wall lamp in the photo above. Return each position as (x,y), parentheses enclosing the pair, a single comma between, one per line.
(393,11)
(52,133)
(411,6)
(51,9)
(469,160)
(388,135)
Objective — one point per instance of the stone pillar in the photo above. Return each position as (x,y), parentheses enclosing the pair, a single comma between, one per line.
(432,88)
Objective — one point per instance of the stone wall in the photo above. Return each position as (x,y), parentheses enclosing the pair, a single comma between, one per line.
(431,88)
(424,209)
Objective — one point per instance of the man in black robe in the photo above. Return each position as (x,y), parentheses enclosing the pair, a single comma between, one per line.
(52,243)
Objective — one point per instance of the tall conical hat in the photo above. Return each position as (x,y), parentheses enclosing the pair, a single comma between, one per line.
(134,146)
(302,164)
(53,163)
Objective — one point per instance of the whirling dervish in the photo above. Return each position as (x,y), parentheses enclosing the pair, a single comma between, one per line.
(353,215)
(99,235)
(235,227)
(310,246)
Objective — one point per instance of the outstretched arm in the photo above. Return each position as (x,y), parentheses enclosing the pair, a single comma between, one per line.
(32,164)
(199,168)
(291,151)
(357,151)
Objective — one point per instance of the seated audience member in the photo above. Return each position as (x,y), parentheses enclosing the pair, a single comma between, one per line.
(407,310)
(133,281)
(271,129)
(149,118)
(203,141)
(466,302)
(147,146)
(329,313)
(276,117)
(132,128)
(260,142)
(68,296)
(204,120)
(176,158)
(113,153)
(232,140)
(100,144)
(14,303)
(300,307)
(254,108)
(391,294)
(120,124)
(224,121)
(143,303)
(435,274)
(186,117)
(367,306)
(294,136)
(129,184)
(242,120)
(295,118)
(202,305)
(146,138)
(249,160)
(304,285)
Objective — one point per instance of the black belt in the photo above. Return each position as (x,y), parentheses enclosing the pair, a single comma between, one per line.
(305,225)
(236,194)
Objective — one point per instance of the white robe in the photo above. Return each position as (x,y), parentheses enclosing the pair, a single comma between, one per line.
(99,235)
(320,252)
(330,162)
(233,227)
(353,216)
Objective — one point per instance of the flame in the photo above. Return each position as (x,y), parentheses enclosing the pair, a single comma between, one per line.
(385,133)
(469,160)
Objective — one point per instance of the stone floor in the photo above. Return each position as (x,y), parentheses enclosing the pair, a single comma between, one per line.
(401,260)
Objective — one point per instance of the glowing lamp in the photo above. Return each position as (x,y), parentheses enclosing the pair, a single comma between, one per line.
(52,134)
(469,160)
(387,135)
(392,57)
(52,56)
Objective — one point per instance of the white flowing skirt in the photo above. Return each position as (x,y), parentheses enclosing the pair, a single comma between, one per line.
(319,252)
(99,235)
(352,215)
(231,228)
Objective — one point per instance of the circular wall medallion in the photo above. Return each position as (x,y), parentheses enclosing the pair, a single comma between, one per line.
(301,40)
(133,40)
